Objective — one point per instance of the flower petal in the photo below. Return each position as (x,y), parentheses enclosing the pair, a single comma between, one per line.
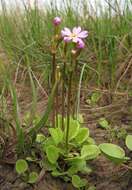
(80,44)
(83,34)
(76,30)
(67,39)
(66,32)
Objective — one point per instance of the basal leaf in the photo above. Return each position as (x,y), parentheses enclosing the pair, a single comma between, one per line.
(52,153)
(78,182)
(40,138)
(95,97)
(73,129)
(21,166)
(56,134)
(33,176)
(129,142)
(82,135)
(113,152)
(90,152)
(90,140)
(103,123)
(80,118)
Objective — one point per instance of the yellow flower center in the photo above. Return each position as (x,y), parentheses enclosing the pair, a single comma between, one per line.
(73,35)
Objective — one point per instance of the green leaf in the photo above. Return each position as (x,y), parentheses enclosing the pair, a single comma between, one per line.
(56,134)
(80,118)
(113,152)
(90,152)
(92,188)
(72,170)
(78,165)
(33,176)
(49,141)
(34,93)
(31,159)
(19,129)
(74,159)
(78,182)
(46,114)
(56,173)
(95,97)
(40,138)
(103,123)
(90,140)
(73,129)
(48,166)
(129,142)
(52,153)
(82,135)
(21,166)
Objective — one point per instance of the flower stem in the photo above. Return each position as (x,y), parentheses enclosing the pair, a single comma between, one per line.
(68,112)
(63,86)
(56,106)
(74,96)
(53,82)
(57,78)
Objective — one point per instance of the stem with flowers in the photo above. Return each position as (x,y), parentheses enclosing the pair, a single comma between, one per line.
(68,110)
(53,82)
(75,37)
(56,23)
(68,146)
(63,85)
(71,93)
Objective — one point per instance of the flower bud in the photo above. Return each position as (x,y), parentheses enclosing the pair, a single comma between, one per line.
(57,21)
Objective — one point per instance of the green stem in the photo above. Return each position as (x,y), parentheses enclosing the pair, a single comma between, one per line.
(56,106)
(68,112)
(63,99)
(63,86)
(53,82)
(74,93)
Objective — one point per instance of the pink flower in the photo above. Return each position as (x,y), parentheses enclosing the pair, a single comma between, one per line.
(76,35)
(57,21)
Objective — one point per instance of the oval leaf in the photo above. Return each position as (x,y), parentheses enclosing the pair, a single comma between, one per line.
(95,97)
(21,166)
(78,182)
(89,152)
(129,142)
(82,135)
(33,176)
(80,118)
(52,153)
(56,134)
(112,152)
(40,138)
(73,129)
(103,123)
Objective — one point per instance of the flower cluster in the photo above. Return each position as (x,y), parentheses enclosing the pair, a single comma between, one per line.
(76,35)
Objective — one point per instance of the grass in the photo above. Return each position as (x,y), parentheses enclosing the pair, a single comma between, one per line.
(26,33)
